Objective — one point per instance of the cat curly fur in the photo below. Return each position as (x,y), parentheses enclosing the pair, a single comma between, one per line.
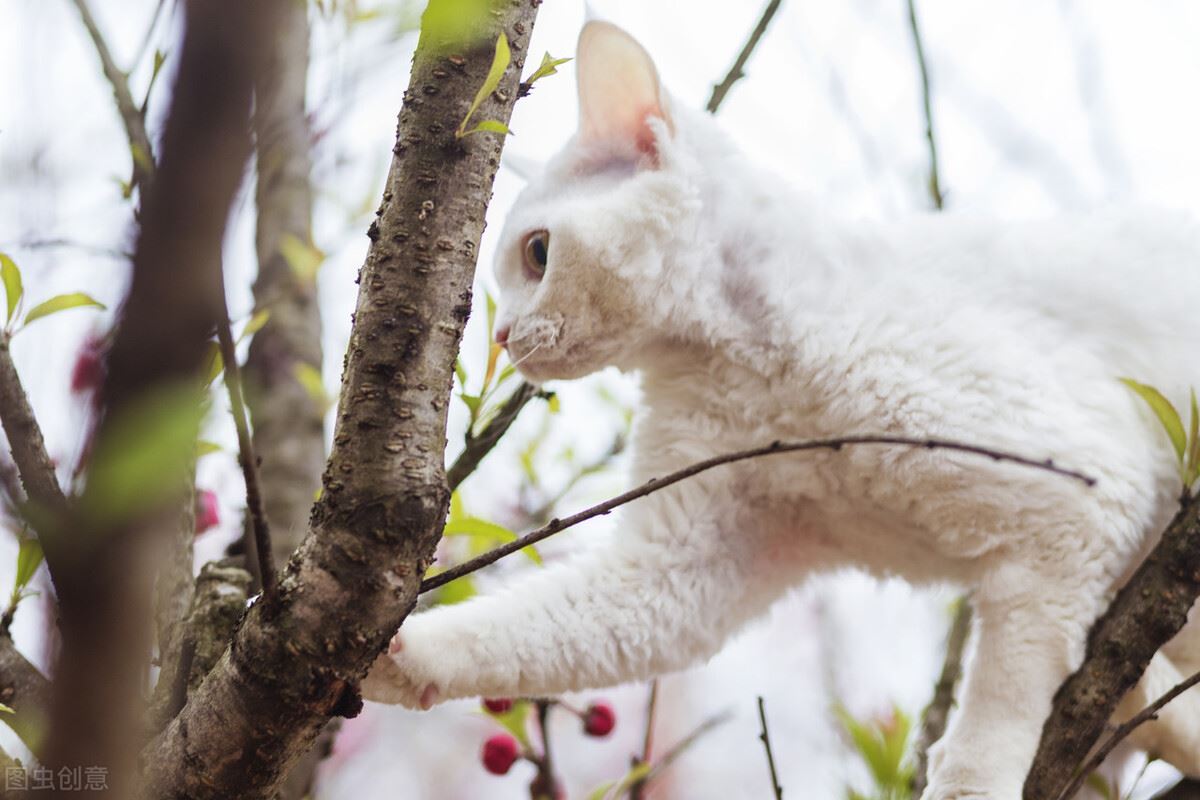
(754,314)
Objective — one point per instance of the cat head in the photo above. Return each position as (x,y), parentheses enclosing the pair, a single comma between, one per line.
(582,258)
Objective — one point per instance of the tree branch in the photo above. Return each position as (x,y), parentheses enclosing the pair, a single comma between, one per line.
(937,713)
(1150,609)
(935,188)
(479,446)
(131,114)
(260,539)
(296,659)
(1123,730)
(26,691)
(766,740)
(775,448)
(736,72)
(25,439)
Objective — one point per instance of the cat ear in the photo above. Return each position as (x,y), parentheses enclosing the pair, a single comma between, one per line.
(618,89)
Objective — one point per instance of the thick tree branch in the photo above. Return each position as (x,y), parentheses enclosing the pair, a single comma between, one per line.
(1123,730)
(131,114)
(296,659)
(737,71)
(775,448)
(937,713)
(25,439)
(1150,609)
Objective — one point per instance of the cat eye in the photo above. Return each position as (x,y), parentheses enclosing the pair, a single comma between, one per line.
(537,251)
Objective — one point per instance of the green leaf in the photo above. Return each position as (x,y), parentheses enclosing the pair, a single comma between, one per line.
(460,372)
(141,158)
(456,591)
(7,709)
(146,454)
(490,305)
(11,275)
(547,67)
(1166,413)
(489,126)
(457,510)
(310,378)
(29,558)
(206,448)
(601,791)
(500,62)
(489,534)
(215,362)
(61,303)
(305,258)
(1101,786)
(453,23)
(256,323)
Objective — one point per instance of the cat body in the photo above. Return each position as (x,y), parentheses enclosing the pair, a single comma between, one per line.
(753,315)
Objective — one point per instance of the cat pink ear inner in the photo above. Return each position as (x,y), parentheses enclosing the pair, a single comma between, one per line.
(619,91)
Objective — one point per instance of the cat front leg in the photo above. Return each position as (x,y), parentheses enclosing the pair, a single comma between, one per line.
(664,595)
(1031,634)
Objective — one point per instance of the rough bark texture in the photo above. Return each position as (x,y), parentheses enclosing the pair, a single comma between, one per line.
(173,592)
(25,439)
(26,691)
(296,660)
(289,435)
(102,568)
(1147,612)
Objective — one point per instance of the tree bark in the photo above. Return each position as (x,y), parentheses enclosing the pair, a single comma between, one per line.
(296,660)
(26,691)
(1150,609)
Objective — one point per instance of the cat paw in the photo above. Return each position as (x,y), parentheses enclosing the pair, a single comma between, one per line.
(403,676)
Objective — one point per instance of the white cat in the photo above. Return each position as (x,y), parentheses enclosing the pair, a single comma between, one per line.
(755,315)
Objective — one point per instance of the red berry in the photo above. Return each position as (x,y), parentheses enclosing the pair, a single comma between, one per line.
(88,372)
(498,705)
(207,513)
(599,719)
(500,753)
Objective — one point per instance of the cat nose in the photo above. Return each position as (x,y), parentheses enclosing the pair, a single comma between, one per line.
(502,335)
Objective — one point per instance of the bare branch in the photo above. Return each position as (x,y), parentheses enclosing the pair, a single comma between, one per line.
(775,448)
(766,740)
(131,114)
(935,188)
(261,532)
(1150,609)
(25,438)
(937,713)
(1123,730)
(737,71)
(479,446)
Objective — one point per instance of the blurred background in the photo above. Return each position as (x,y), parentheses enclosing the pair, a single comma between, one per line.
(1039,107)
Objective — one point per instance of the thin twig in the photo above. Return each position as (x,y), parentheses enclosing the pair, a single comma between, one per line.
(638,788)
(1123,730)
(937,713)
(681,747)
(935,187)
(766,740)
(479,446)
(544,786)
(736,72)
(254,502)
(775,448)
(131,115)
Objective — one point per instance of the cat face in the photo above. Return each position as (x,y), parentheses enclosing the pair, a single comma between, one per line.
(583,248)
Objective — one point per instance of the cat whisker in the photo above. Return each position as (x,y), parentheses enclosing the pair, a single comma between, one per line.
(536,347)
